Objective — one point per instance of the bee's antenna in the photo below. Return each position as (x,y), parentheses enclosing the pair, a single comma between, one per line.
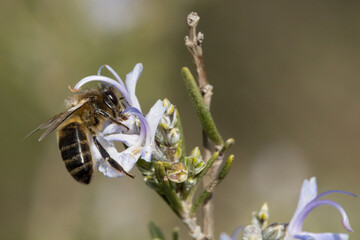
(103,86)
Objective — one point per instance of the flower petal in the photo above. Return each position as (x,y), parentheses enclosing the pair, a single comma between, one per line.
(307,194)
(224,236)
(144,125)
(103,79)
(128,139)
(131,80)
(325,236)
(112,72)
(298,222)
(146,153)
(334,191)
(154,116)
(307,202)
(130,123)
(113,128)
(126,159)
(236,233)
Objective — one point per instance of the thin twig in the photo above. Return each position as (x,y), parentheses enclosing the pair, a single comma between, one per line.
(193,227)
(193,43)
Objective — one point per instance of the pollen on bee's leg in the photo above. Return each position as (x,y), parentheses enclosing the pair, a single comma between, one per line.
(73,90)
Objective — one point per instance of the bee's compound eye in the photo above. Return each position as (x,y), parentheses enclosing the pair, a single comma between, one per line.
(111,96)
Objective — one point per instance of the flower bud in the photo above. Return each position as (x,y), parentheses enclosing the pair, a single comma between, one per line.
(177,153)
(196,165)
(159,136)
(194,162)
(178,144)
(173,136)
(166,102)
(170,110)
(173,120)
(196,152)
(158,155)
(263,215)
(177,173)
(275,231)
(165,122)
(252,232)
(261,218)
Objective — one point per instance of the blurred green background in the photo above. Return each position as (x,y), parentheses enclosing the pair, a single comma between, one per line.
(286,80)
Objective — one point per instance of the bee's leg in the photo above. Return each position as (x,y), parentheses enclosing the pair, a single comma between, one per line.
(107,158)
(107,116)
(122,98)
(123,106)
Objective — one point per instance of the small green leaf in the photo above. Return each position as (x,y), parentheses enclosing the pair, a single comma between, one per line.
(155,232)
(175,234)
(228,143)
(169,192)
(144,166)
(182,137)
(194,162)
(226,168)
(211,187)
(209,163)
(190,193)
(201,109)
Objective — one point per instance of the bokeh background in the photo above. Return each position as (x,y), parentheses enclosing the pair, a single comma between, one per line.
(286,80)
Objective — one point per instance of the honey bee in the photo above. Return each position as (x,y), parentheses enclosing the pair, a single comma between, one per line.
(87,111)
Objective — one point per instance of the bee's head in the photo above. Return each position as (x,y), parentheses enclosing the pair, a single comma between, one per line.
(110,99)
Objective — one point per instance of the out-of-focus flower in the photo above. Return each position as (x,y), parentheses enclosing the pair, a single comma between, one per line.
(140,132)
(309,199)
(235,235)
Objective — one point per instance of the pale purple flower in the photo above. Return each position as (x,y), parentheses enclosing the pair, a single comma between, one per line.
(235,235)
(140,135)
(309,199)
(126,158)
(127,91)
(146,136)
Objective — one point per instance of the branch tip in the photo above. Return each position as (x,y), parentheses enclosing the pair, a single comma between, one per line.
(193,19)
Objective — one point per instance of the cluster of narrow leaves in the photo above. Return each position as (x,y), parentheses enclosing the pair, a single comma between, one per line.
(172,174)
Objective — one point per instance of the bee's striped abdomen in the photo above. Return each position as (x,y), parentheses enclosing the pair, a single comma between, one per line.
(75,151)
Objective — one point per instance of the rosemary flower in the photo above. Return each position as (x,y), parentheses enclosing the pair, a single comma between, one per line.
(309,199)
(140,132)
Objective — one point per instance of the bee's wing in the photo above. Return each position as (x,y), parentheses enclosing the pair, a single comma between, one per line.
(51,124)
